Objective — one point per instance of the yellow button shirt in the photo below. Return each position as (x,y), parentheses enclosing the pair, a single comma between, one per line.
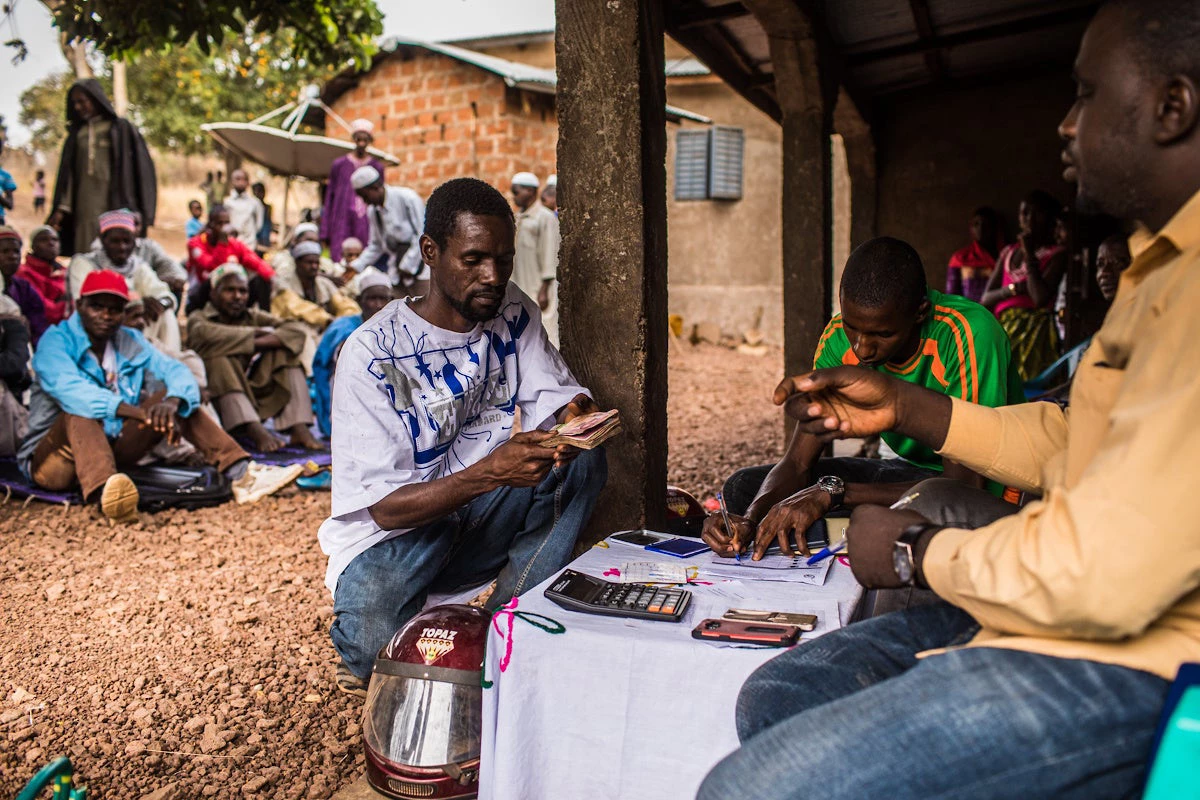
(1106,566)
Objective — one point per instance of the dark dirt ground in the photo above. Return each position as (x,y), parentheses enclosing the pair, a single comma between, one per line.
(187,655)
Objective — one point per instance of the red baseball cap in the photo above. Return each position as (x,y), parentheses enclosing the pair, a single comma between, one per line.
(105,281)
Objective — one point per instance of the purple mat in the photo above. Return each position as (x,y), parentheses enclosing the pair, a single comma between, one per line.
(11,480)
(13,483)
(288,455)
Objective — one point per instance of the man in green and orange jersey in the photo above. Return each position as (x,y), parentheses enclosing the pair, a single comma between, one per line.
(893,322)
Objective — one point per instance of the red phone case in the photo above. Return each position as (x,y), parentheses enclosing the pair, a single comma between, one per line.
(728,630)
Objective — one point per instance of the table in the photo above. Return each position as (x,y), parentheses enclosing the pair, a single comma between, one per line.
(619,708)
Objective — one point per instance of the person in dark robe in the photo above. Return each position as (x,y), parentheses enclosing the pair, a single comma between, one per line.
(105,164)
(344,213)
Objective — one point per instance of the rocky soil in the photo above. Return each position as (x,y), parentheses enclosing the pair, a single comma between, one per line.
(187,655)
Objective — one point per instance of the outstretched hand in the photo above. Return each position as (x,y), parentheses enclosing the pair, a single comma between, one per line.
(841,402)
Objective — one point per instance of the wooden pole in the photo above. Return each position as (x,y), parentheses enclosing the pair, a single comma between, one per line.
(613,257)
(283,223)
(120,90)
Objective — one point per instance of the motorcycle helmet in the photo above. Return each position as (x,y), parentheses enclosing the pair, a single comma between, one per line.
(685,515)
(423,716)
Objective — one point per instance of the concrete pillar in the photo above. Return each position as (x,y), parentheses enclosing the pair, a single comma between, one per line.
(612,187)
(806,90)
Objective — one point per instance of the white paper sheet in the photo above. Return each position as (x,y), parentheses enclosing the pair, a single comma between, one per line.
(770,568)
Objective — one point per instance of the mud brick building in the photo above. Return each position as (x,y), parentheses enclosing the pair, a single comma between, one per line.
(487,108)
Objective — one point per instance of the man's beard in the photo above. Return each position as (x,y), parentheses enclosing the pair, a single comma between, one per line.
(463,307)
(1117,188)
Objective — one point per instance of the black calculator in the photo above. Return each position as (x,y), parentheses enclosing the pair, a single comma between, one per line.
(580,592)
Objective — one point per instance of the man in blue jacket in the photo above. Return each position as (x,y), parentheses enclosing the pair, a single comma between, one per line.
(89,418)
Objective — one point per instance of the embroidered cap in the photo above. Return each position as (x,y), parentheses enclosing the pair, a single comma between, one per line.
(121,218)
(224,271)
(9,232)
(362,126)
(363,177)
(105,281)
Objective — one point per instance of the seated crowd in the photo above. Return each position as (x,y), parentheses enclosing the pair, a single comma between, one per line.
(101,373)
(1010,666)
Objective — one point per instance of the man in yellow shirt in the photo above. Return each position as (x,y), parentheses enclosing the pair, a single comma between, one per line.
(1044,671)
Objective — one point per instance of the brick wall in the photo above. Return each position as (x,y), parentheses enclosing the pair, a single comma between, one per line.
(445,119)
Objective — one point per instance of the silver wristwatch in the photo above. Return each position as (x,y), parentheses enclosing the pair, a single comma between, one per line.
(904,562)
(836,488)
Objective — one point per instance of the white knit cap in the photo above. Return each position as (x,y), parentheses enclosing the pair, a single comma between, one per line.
(301,249)
(305,227)
(362,126)
(552,180)
(526,179)
(364,177)
(373,277)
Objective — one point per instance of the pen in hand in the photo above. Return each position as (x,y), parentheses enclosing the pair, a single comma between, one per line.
(728,528)
(840,546)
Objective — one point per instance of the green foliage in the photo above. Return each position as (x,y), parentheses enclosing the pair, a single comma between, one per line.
(173,90)
(324,31)
(44,111)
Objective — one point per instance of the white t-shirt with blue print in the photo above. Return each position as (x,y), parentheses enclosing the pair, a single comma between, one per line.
(413,402)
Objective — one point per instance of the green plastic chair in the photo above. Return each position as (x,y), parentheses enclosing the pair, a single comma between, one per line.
(1174,772)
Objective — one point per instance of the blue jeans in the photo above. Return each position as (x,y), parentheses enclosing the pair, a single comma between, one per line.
(855,715)
(522,535)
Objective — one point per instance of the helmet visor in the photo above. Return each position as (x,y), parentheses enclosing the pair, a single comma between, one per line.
(422,723)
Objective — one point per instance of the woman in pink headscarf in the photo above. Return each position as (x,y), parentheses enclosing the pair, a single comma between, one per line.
(344,213)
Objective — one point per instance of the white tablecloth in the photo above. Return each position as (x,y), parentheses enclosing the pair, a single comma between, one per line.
(617,708)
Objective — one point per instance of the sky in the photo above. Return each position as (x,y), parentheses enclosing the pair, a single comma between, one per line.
(416,19)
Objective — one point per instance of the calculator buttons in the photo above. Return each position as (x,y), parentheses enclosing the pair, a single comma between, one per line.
(640,601)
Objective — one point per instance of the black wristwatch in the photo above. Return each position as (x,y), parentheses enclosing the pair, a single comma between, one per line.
(836,488)
(903,551)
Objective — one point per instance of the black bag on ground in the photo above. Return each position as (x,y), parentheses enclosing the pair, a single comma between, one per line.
(163,486)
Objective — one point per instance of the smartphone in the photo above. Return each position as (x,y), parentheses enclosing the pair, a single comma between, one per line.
(680,548)
(805,622)
(728,630)
(639,538)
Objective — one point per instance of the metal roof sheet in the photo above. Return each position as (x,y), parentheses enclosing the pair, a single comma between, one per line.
(513,73)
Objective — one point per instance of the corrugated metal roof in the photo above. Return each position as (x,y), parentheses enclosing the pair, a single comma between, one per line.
(513,73)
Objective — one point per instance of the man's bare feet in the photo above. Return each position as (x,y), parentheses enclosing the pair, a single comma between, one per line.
(261,439)
(302,437)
